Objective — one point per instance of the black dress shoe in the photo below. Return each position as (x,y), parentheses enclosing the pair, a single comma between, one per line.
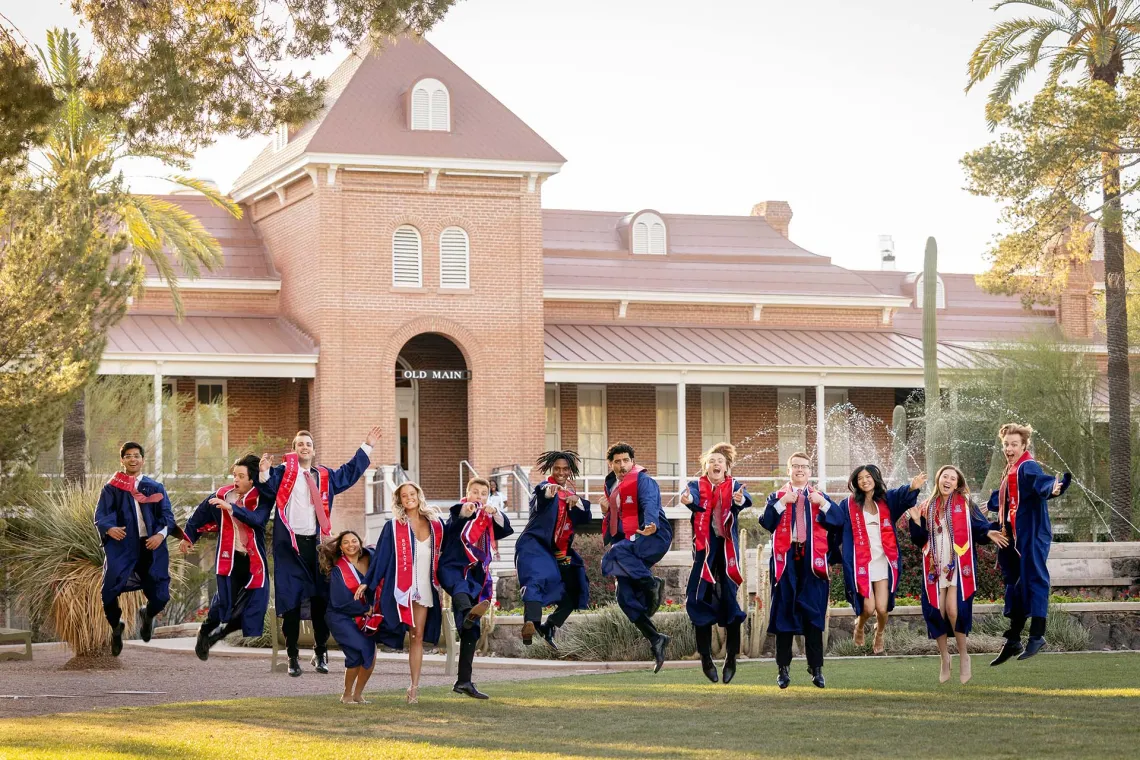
(320,662)
(709,669)
(202,645)
(1032,647)
(117,639)
(528,632)
(294,667)
(658,647)
(1009,649)
(146,626)
(658,595)
(729,670)
(817,677)
(546,630)
(467,688)
(783,677)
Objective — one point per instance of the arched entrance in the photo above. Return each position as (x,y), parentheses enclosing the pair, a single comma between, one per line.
(432,382)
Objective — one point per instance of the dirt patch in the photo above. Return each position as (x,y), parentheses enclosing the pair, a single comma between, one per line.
(93,662)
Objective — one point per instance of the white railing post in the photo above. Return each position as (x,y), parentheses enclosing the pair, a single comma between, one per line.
(821,436)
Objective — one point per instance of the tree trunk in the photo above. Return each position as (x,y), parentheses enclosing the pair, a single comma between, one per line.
(1116,321)
(75,442)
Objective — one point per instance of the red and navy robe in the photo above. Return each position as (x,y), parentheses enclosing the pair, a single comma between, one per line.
(856,574)
(548,532)
(710,597)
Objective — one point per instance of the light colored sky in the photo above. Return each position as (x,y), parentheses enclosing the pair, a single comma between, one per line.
(853,111)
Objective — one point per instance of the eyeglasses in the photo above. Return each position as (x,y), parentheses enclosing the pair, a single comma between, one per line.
(799,467)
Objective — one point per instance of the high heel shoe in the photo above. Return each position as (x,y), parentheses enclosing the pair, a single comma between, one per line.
(413,695)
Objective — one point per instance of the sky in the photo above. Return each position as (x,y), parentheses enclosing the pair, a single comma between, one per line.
(853,111)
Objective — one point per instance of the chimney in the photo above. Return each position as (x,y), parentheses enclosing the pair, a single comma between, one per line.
(887,253)
(778,215)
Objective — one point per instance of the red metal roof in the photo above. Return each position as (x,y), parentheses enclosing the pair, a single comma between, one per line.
(221,335)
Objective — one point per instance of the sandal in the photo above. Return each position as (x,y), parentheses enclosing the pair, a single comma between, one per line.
(413,696)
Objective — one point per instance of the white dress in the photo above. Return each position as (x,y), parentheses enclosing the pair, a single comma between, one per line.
(879,564)
(422,573)
(945,550)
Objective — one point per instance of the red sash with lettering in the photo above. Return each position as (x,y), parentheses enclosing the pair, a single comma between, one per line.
(1008,496)
(227,539)
(782,540)
(622,513)
(863,545)
(962,563)
(405,537)
(711,497)
(563,527)
(369,622)
(288,480)
(478,537)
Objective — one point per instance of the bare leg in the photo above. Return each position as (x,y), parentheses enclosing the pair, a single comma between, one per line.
(349,679)
(950,604)
(362,676)
(416,648)
(944,652)
(861,621)
(882,599)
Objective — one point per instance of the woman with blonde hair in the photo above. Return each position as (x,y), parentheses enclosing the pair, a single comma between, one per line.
(948,528)
(404,577)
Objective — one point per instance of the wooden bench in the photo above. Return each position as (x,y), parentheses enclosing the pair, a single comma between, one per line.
(16,636)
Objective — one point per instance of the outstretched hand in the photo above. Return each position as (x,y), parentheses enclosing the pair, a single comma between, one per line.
(648,530)
(468,509)
(373,435)
(1000,539)
(915,514)
(686,496)
(266,462)
(918,481)
(1057,484)
(738,497)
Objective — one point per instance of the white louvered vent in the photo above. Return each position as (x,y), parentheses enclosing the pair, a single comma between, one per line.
(657,238)
(407,258)
(648,234)
(440,110)
(640,237)
(431,106)
(421,109)
(454,259)
(920,293)
(281,137)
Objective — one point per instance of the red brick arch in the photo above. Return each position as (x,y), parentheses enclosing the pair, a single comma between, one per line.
(463,339)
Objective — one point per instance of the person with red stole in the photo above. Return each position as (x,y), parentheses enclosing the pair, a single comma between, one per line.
(302,493)
(350,615)
(798,517)
(470,543)
(237,513)
(133,518)
(872,563)
(636,535)
(404,579)
(1021,501)
(948,528)
(549,570)
(716,500)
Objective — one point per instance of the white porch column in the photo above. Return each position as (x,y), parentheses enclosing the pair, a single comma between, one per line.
(821,437)
(158,420)
(682,443)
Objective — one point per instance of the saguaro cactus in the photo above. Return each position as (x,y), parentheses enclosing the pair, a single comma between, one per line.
(898,445)
(937,431)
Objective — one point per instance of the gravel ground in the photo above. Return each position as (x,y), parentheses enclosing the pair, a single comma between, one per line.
(43,688)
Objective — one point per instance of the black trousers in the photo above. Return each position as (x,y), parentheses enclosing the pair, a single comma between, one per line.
(813,644)
(461,604)
(238,578)
(571,588)
(111,609)
(291,619)
(1017,618)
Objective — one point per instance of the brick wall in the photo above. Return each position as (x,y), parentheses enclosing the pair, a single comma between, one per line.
(571,312)
(207,302)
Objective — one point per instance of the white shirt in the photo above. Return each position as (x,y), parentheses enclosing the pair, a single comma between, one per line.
(299,509)
(239,534)
(496,500)
(139,515)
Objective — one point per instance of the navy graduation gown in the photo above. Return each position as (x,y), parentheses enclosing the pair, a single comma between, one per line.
(1023,562)
(632,559)
(937,624)
(116,509)
(539,576)
(359,649)
(382,575)
(705,603)
(454,576)
(795,600)
(898,500)
(221,606)
(293,583)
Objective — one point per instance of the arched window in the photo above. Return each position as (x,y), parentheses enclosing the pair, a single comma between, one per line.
(648,234)
(919,292)
(407,257)
(431,106)
(454,258)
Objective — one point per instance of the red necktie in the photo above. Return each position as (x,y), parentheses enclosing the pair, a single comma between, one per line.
(718,510)
(801,516)
(314,497)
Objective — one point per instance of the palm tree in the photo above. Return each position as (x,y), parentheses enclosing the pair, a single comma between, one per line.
(1097,39)
(84,142)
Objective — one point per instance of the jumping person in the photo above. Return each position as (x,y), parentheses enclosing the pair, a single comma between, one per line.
(133,518)
(1021,501)
(237,513)
(303,494)
(948,528)
(469,545)
(798,517)
(405,581)
(716,500)
(872,563)
(637,535)
(549,570)
(349,614)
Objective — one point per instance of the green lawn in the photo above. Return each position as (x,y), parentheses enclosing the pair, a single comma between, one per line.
(1051,706)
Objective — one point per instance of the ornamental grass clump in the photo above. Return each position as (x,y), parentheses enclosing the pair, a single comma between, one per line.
(606,635)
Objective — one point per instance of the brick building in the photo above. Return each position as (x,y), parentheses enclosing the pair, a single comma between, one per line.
(395,266)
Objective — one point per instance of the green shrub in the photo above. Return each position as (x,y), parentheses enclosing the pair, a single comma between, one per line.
(606,635)
(1063,632)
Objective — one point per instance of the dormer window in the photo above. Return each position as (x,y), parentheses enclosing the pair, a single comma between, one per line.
(647,234)
(281,137)
(919,292)
(431,106)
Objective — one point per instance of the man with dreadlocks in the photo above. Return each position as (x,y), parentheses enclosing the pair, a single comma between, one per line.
(549,570)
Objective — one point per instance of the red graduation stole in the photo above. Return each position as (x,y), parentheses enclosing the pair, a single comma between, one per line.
(478,537)
(563,528)
(369,622)
(405,537)
(863,545)
(1008,496)
(782,541)
(288,480)
(125,482)
(622,513)
(711,497)
(963,539)
(227,539)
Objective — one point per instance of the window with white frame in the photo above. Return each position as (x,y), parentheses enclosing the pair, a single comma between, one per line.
(553,418)
(648,234)
(431,106)
(714,417)
(211,425)
(920,293)
(592,428)
(454,258)
(790,434)
(407,257)
(838,425)
(668,452)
